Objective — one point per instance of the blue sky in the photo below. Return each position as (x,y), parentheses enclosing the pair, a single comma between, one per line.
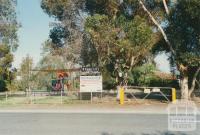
(35,30)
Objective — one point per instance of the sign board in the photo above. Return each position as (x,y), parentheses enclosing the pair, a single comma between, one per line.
(156,90)
(147,91)
(90,69)
(91,84)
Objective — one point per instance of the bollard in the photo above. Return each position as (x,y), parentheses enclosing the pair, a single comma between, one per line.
(121,99)
(173,94)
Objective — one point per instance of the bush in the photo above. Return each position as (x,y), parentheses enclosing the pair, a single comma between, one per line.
(2,86)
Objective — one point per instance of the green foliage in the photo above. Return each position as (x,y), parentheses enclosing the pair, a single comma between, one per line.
(8,39)
(108,7)
(184,32)
(25,73)
(181,40)
(54,8)
(8,23)
(66,36)
(53,58)
(88,52)
(5,58)
(14,86)
(2,85)
(120,43)
(58,36)
(143,75)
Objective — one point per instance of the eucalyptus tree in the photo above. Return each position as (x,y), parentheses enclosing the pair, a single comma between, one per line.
(25,73)
(121,35)
(123,31)
(176,20)
(8,38)
(115,35)
(67,32)
(181,34)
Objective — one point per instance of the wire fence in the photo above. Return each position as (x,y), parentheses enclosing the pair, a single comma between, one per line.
(70,97)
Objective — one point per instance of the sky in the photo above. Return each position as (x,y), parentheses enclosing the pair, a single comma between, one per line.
(35,30)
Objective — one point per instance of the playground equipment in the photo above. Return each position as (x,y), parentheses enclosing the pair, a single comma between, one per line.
(61,79)
(58,84)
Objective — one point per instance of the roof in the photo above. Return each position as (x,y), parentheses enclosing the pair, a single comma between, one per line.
(163,75)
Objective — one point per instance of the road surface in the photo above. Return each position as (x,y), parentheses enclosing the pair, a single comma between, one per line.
(85,124)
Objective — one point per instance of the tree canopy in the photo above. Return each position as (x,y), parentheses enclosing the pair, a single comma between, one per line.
(8,39)
(123,32)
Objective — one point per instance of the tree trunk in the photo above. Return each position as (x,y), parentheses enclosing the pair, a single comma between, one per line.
(194,82)
(184,84)
(184,87)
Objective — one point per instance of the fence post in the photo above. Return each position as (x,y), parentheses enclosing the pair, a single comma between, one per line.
(91,96)
(31,98)
(6,96)
(61,96)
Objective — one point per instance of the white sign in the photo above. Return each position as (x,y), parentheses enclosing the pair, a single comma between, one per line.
(147,91)
(156,90)
(91,84)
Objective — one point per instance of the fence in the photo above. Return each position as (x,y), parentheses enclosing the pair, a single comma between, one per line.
(68,97)
(37,97)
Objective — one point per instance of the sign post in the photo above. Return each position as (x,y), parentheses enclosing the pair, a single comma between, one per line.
(90,81)
(91,84)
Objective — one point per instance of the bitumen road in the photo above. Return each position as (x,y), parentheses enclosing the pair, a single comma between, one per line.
(86,124)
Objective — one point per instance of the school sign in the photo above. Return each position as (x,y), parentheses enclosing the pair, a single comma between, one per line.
(91,84)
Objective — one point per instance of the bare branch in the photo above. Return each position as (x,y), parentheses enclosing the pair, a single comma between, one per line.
(166,7)
(159,27)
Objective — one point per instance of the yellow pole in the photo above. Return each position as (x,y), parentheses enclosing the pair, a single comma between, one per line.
(121,96)
(173,94)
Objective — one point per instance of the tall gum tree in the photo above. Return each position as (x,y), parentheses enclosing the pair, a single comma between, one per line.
(8,40)
(177,22)
(121,42)
(181,36)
